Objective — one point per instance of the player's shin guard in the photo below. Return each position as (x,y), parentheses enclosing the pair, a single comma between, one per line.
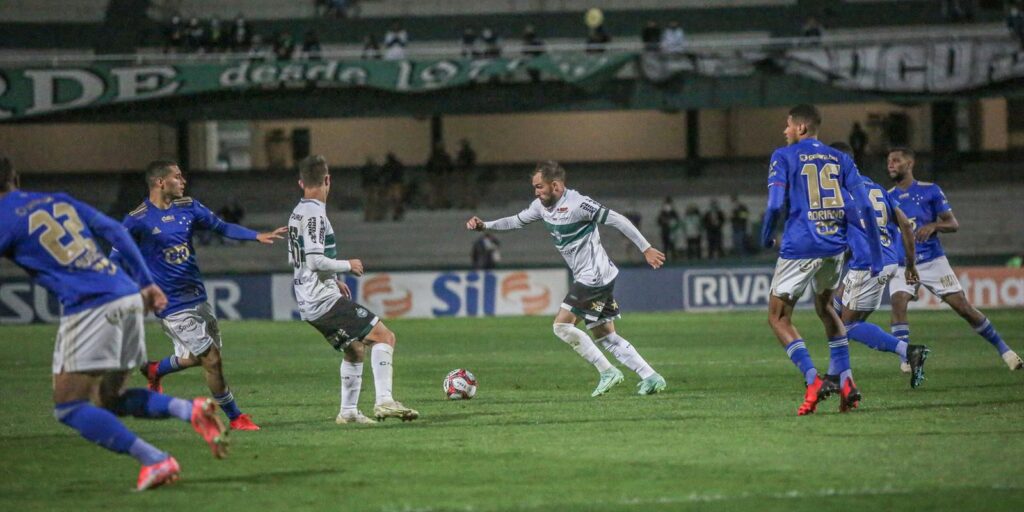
(226,401)
(583,345)
(143,403)
(100,426)
(874,337)
(798,353)
(987,331)
(839,353)
(381,358)
(351,385)
(626,354)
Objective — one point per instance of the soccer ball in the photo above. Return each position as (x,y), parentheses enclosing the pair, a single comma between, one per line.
(459,384)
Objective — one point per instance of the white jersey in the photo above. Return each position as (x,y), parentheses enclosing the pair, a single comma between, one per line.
(309,232)
(572,223)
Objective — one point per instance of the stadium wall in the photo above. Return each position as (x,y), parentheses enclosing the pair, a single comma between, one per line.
(514,293)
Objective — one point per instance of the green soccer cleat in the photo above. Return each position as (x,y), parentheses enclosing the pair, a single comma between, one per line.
(609,378)
(651,385)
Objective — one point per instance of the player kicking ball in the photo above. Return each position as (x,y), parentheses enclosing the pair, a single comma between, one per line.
(572,219)
(326,302)
(930,214)
(814,179)
(101,338)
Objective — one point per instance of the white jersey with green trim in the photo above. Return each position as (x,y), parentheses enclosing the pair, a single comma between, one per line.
(572,223)
(309,232)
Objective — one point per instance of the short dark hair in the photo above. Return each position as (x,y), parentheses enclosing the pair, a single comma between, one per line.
(807,114)
(8,176)
(550,171)
(313,170)
(842,146)
(906,151)
(158,169)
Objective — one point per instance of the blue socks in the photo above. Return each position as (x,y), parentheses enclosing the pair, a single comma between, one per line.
(985,330)
(902,333)
(100,426)
(167,365)
(798,353)
(143,403)
(839,357)
(874,337)
(227,403)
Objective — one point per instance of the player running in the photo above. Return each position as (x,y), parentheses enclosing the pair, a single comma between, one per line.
(572,220)
(860,294)
(163,226)
(812,177)
(100,338)
(930,214)
(325,301)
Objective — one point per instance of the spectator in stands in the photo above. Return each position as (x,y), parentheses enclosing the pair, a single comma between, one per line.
(651,36)
(1015,21)
(598,40)
(194,36)
(311,46)
(439,171)
(953,10)
(470,50)
(283,46)
(241,34)
(673,39)
(812,31)
(395,41)
(374,184)
(215,37)
(691,229)
(668,223)
(175,35)
(739,219)
(491,42)
(714,221)
(470,187)
(394,171)
(533,46)
(371,48)
(485,252)
(859,142)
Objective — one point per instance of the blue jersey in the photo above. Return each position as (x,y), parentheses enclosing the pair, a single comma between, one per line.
(922,203)
(51,236)
(885,217)
(814,177)
(165,239)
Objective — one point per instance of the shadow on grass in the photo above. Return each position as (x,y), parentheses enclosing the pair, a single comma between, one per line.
(261,477)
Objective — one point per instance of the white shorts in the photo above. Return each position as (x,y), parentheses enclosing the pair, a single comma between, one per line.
(193,330)
(792,276)
(936,275)
(104,338)
(861,292)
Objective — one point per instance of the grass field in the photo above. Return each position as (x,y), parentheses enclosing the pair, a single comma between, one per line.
(724,436)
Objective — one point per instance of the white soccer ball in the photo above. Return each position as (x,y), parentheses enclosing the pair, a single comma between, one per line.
(459,384)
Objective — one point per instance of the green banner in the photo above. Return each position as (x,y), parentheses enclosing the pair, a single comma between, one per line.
(35,91)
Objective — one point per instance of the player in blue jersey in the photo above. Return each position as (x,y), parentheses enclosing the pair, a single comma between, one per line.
(163,226)
(861,294)
(100,338)
(930,214)
(813,177)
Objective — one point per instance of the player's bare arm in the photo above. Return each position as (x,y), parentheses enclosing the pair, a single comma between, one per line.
(907,237)
(475,224)
(946,224)
(269,236)
(654,257)
(153,298)
(357,267)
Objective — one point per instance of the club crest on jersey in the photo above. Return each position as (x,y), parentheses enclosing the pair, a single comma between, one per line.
(362,312)
(167,218)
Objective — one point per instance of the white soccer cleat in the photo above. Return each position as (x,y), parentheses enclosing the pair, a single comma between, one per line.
(394,409)
(356,417)
(1013,360)
(905,367)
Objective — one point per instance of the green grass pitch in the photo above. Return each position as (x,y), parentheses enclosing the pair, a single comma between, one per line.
(724,435)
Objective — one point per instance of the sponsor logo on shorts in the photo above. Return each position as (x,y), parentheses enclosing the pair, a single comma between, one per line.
(362,312)
(806,267)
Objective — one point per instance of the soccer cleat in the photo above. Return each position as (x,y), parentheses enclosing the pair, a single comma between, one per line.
(1013,360)
(651,385)
(155,475)
(818,391)
(850,396)
(207,423)
(244,422)
(148,371)
(905,367)
(353,418)
(916,356)
(394,409)
(609,378)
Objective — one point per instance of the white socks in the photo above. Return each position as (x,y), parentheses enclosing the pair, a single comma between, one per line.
(380,358)
(626,354)
(583,345)
(351,384)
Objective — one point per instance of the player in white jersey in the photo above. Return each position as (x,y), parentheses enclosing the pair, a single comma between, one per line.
(572,220)
(325,302)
